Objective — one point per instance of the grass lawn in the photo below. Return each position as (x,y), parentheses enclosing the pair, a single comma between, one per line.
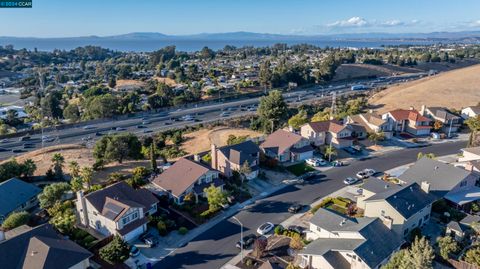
(299,169)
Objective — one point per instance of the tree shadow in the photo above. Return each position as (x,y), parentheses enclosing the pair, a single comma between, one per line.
(187,259)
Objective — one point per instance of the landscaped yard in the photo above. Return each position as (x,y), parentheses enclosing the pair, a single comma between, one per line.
(299,169)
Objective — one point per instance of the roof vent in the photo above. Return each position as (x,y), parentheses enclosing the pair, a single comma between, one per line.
(436,167)
(34,252)
(411,188)
(395,197)
(386,186)
(343,222)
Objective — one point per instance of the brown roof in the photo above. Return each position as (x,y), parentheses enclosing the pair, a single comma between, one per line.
(407,114)
(280,140)
(113,201)
(374,119)
(180,176)
(333,126)
(269,265)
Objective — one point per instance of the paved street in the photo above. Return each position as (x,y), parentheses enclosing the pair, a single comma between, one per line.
(216,246)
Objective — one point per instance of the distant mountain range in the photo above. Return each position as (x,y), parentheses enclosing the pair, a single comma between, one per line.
(267,36)
(149,41)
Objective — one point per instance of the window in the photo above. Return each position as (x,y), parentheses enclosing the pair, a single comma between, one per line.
(319,229)
(463,183)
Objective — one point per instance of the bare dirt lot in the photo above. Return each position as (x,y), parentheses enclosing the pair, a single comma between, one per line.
(201,140)
(453,89)
(80,154)
(352,71)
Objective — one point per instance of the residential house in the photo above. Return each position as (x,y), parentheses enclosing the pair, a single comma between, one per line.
(460,229)
(286,146)
(231,158)
(407,206)
(407,121)
(330,132)
(341,242)
(470,154)
(117,210)
(470,112)
(42,247)
(372,122)
(19,112)
(186,177)
(455,184)
(450,122)
(17,195)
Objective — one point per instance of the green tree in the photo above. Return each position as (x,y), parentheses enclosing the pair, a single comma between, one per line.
(58,161)
(74,169)
(103,106)
(421,155)
(245,170)
(272,108)
(63,216)
(299,119)
(233,139)
(329,152)
(447,246)
(112,82)
(376,137)
(397,261)
(16,219)
(50,105)
(72,113)
(321,116)
(28,168)
(86,174)
(117,251)
(419,256)
(153,157)
(52,193)
(117,148)
(216,198)
(265,74)
(472,256)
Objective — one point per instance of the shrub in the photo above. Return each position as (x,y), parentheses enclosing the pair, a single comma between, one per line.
(16,219)
(278,229)
(182,230)
(322,204)
(162,228)
(116,251)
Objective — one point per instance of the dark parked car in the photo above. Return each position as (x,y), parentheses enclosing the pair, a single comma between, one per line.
(298,229)
(150,240)
(247,241)
(295,208)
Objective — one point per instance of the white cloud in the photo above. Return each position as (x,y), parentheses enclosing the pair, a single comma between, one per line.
(352,22)
(475,23)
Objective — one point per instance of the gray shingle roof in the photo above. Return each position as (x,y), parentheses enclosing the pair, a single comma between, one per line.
(332,221)
(441,176)
(242,152)
(336,259)
(15,192)
(377,185)
(40,247)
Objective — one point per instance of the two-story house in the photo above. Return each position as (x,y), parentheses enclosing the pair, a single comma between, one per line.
(117,210)
(470,112)
(407,206)
(330,132)
(372,122)
(231,158)
(42,247)
(407,121)
(450,122)
(17,195)
(455,184)
(341,242)
(185,177)
(286,146)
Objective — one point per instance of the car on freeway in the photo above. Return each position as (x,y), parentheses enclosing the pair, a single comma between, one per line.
(251,109)
(4,141)
(17,150)
(350,180)
(265,228)
(120,129)
(168,123)
(47,138)
(147,131)
(4,149)
(88,127)
(188,118)
(316,162)
(149,239)
(134,251)
(141,126)
(224,114)
(246,241)
(295,208)
(28,145)
(145,122)
(98,134)
(365,173)
(24,138)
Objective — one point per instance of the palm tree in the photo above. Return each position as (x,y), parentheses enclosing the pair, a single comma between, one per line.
(58,160)
(86,173)
(329,152)
(29,168)
(74,169)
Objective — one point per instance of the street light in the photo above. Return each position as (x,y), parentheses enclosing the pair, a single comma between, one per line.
(241,236)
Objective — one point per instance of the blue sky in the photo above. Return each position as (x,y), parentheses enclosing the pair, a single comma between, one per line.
(59,18)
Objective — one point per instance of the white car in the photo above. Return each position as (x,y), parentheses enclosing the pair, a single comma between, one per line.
(350,180)
(316,162)
(88,127)
(365,173)
(265,228)
(47,138)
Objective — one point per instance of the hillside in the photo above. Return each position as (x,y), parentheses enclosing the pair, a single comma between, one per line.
(453,89)
(354,71)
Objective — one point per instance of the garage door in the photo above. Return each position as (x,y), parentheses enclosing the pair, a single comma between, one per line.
(135,233)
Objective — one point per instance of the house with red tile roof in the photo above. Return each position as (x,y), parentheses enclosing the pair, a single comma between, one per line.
(186,177)
(408,121)
(286,146)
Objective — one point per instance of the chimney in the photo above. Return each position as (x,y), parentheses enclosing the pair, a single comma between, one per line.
(82,208)
(469,167)
(213,153)
(2,235)
(290,129)
(387,221)
(422,110)
(425,186)
(196,158)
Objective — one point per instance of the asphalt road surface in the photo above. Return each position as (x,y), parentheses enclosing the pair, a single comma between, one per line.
(162,121)
(216,246)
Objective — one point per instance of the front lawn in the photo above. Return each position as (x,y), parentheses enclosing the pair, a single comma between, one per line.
(299,169)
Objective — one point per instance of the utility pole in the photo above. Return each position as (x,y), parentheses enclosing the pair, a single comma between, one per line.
(241,236)
(333,109)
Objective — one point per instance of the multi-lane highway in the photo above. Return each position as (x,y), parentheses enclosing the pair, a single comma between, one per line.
(216,246)
(154,122)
